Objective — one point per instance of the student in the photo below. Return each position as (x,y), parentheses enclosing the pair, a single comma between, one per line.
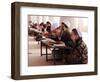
(64,36)
(64,26)
(35,26)
(63,32)
(48,28)
(48,32)
(79,54)
(41,28)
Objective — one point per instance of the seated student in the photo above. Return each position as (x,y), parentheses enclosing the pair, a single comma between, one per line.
(79,54)
(41,26)
(64,26)
(63,35)
(44,28)
(48,28)
(55,34)
(35,25)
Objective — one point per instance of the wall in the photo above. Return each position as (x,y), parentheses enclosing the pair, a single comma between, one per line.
(76,22)
(5,39)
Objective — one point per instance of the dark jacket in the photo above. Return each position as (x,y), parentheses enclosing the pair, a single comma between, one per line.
(79,54)
(65,37)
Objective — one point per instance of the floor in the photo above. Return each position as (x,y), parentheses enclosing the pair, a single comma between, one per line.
(34,57)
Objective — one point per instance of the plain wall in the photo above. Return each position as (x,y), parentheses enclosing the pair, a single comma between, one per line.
(5,40)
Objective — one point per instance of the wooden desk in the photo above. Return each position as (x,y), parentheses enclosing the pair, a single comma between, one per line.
(51,44)
(35,30)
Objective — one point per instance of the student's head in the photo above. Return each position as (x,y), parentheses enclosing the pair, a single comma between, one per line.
(44,25)
(35,24)
(75,34)
(64,25)
(41,24)
(48,23)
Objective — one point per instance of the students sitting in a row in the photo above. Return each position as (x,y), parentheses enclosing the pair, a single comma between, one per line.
(76,51)
(42,27)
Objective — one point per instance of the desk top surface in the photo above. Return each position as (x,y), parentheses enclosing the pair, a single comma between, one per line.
(51,43)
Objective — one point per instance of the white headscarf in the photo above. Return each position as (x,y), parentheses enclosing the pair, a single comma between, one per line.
(79,32)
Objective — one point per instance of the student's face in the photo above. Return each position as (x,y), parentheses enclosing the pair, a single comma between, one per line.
(62,25)
(48,24)
(73,36)
(58,32)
